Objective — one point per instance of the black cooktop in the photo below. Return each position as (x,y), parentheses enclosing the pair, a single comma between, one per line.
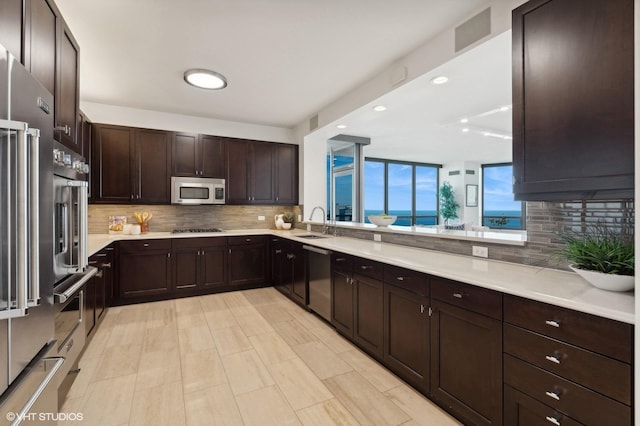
(186,230)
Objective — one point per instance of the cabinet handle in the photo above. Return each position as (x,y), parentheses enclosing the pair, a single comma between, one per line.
(203,253)
(248,240)
(553,395)
(400,278)
(198,253)
(365,267)
(457,295)
(422,309)
(340,259)
(553,358)
(93,262)
(105,265)
(553,420)
(278,251)
(109,249)
(553,323)
(291,256)
(168,254)
(100,255)
(146,245)
(99,274)
(229,251)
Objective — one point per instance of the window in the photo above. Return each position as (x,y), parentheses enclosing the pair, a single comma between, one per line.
(403,189)
(499,209)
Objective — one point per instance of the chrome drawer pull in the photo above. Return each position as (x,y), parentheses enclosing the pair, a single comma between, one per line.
(553,323)
(365,267)
(457,295)
(146,245)
(553,420)
(553,358)
(400,278)
(553,395)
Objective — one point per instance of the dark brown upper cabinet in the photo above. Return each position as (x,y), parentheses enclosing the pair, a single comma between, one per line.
(11,21)
(40,41)
(286,174)
(67,91)
(130,165)
(198,155)
(573,106)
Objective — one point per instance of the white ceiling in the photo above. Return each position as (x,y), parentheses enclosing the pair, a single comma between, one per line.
(284,59)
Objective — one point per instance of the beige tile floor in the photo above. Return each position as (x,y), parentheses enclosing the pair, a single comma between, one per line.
(243,358)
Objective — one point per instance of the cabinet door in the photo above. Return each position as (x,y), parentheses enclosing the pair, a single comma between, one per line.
(84,136)
(185,158)
(213,266)
(111,174)
(368,314)
(144,274)
(466,364)
(40,42)
(578,55)
(212,156)
(278,265)
(298,274)
(67,93)
(262,167)
(286,174)
(152,166)
(342,302)
(248,263)
(237,171)
(89,317)
(186,264)
(11,27)
(406,335)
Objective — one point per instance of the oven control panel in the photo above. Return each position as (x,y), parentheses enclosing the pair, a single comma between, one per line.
(69,160)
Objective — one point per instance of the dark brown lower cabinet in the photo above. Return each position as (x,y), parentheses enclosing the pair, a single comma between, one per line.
(522,410)
(98,290)
(144,269)
(247,261)
(406,335)
(342,299)
(288,269)
(200,264)
(466,364)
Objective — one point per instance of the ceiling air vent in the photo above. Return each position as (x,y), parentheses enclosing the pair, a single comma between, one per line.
(471,172)
(473,30)
(454,172)
(313,122)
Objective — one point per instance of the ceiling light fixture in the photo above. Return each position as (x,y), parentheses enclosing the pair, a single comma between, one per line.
(465,129)
(379,108)
(504,108)
(441,79)
(464,120)
(341,126)
(205,79)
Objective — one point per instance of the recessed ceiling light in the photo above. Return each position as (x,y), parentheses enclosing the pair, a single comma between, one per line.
(441,79)
(504,108)
(205,79)
(379,108)
(341,126)
(465,129)
(464,120)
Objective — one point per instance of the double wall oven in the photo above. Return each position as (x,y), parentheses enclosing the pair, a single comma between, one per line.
(70,258)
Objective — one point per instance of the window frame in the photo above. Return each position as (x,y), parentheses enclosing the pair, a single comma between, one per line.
(413,217)
(523,205)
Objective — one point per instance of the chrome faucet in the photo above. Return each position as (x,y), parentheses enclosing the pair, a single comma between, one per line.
(324,218)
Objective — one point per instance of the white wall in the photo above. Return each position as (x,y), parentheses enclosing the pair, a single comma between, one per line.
(459,183)
(123,116)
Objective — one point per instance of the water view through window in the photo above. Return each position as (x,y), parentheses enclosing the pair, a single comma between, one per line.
(499,209)
(406,190)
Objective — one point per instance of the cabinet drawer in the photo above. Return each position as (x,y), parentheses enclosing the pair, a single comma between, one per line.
(578,402)
(368,268)
(476,299)
(601,335)
(141,245)
(247,240)
(602,374)
(522,410)
(407,279)
(342,262)
(199,242)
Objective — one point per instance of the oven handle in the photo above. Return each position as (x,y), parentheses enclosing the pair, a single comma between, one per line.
(34,222)
(83,219)
(66,295)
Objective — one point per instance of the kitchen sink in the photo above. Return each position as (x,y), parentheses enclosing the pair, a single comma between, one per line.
(311,236)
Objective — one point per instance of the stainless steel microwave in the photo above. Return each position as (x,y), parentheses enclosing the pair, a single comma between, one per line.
(194,190)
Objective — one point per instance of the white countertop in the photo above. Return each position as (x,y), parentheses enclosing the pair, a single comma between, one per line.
(559,288)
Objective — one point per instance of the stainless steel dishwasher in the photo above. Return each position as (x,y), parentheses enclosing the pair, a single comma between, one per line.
(319,279)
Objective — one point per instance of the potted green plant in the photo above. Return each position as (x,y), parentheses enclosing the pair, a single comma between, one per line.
(603,257)
(288,219)
(448,204)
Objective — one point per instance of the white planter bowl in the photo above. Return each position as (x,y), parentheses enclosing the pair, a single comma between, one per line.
(379,220)
(608,282)
(286,225)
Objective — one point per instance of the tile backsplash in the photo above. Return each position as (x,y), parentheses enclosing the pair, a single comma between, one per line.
(168,217)
(544,221)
